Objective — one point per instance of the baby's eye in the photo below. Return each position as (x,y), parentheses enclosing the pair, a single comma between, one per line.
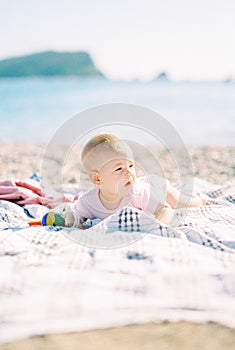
(118,169)
(131,165)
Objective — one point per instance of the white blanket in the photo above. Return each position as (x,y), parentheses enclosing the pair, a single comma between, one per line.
(49,283)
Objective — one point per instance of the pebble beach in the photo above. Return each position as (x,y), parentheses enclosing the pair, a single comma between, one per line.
(214,164)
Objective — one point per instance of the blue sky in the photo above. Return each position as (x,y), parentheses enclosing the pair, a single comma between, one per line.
(128,39)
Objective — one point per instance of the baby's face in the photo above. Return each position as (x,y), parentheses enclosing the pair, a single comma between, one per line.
(117,175)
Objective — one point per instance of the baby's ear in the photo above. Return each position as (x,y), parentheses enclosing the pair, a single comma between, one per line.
(94,177)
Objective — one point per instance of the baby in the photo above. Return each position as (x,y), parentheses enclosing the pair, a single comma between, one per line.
(110,165)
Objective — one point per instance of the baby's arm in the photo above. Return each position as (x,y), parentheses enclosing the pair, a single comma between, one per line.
(164,213)
(73,217)
(181,200)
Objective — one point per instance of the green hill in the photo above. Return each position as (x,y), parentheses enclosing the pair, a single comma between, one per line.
(49,64)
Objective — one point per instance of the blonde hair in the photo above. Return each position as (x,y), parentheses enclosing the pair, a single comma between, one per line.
(98,144)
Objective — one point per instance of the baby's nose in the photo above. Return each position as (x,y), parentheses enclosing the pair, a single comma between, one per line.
(127,173)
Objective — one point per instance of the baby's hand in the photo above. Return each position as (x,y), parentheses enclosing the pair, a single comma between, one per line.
(83,223)
(165,213)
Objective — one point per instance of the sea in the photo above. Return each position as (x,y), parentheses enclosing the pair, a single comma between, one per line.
(33,109)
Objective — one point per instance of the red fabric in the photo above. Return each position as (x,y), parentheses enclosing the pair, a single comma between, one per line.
(29,191)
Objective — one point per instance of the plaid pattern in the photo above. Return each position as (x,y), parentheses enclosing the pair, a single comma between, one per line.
(48,283)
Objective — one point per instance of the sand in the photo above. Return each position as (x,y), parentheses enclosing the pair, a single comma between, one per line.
(213,164)
(163,336)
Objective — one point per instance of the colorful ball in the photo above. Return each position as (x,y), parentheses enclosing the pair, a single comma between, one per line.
(53,219)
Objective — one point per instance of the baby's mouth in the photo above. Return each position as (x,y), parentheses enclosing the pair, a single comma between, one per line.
(126,186)
(129,183)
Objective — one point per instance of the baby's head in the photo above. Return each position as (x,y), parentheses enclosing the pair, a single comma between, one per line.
(109,162)
(102,148)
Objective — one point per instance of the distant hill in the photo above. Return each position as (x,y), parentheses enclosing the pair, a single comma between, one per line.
(49,64)
(161,77)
